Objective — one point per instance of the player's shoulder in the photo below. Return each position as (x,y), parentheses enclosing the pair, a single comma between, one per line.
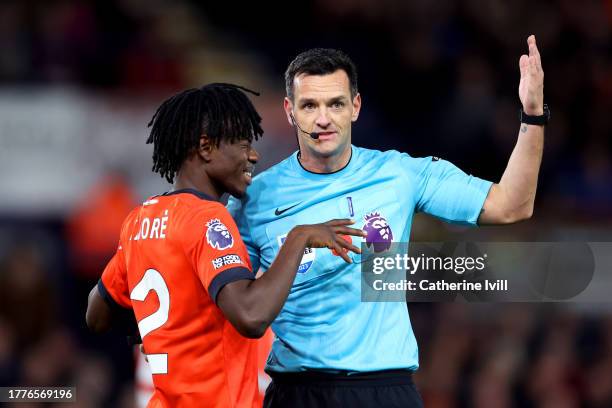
(133,214)
(186,207)
(194,213)
(195,205)
(129,220)
(186,199)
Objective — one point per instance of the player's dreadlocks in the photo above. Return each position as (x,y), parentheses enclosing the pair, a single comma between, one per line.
(221,111)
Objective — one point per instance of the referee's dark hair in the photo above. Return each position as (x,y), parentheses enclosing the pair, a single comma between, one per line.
(320,61)
(221,111)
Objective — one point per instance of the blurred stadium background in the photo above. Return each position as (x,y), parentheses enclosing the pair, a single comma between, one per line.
(79,81)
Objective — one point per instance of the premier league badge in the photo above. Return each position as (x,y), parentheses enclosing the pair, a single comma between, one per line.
(217,235)
(379,232)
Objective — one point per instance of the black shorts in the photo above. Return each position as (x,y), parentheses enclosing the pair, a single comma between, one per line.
(389,389)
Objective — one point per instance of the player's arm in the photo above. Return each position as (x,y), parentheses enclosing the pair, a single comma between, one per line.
(99,317)
(103,314)
(108,304)
(102,308)
(252,305)
(512,199)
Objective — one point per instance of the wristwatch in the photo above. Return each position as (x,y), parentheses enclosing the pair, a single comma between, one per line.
(540,120)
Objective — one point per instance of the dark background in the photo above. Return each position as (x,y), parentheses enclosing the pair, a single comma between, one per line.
(80,79)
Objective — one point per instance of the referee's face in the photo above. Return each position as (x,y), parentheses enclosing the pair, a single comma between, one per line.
(323,104)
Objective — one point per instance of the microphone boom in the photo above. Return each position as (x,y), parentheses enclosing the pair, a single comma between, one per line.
(314,135)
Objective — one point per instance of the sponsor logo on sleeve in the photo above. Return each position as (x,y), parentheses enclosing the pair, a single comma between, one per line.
(230,259)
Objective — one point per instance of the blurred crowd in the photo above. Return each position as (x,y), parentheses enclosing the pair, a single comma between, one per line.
(437,78)
(513,355)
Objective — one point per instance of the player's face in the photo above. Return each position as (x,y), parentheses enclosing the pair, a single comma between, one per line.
(323,104)
(232,166)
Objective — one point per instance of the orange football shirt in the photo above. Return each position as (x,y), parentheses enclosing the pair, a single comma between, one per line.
(176,252)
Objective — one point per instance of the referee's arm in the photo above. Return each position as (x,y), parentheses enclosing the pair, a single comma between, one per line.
(512,199)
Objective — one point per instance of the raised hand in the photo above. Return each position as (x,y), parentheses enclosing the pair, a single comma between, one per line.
(531,85)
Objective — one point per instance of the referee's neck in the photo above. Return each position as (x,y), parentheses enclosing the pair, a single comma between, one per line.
(322,164)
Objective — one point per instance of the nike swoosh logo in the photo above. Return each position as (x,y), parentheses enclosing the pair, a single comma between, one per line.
(278,212)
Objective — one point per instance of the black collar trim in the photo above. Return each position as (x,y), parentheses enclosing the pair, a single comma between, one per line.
(195,192)
(332,172)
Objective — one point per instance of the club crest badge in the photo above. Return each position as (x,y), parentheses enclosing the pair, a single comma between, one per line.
(379,232)
(217,235)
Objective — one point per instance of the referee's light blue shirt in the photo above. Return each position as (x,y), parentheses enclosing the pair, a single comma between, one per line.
(324,325)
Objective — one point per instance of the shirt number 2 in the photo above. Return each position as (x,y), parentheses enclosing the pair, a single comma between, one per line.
(153,280)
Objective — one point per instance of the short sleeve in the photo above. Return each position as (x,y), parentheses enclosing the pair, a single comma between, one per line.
(219,255)
(236,209)
(113,285)
(446,192)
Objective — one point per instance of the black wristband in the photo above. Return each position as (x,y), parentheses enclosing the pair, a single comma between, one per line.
(540,120)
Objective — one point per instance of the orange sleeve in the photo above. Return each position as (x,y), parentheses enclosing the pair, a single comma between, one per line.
(113,285)
(218,254)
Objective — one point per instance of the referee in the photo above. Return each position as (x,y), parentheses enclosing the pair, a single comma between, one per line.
(330,348)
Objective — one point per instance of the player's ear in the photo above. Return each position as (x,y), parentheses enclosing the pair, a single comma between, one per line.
(206,147)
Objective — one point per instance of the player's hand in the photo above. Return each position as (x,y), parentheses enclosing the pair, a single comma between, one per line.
(330,235)
(531,85)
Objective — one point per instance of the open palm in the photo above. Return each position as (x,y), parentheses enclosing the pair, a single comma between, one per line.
(531,85)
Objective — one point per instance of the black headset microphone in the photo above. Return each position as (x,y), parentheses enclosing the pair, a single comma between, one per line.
(314,135)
